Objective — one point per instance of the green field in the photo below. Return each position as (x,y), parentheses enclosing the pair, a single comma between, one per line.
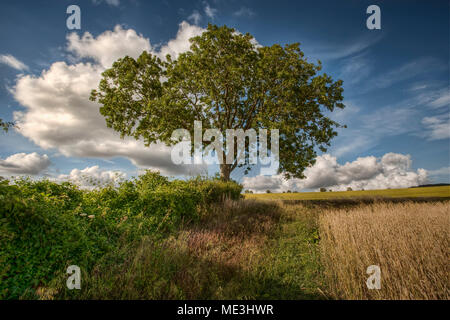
(425,192)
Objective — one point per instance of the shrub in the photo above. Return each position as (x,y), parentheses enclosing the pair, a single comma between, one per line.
(38,238)
(150,180)
(47,226)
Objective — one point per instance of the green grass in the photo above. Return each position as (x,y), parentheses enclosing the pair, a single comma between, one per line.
(244,250)
(291,258)
(425,192)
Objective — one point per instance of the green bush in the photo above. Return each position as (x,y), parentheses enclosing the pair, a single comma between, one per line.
(38,237)
(47,226)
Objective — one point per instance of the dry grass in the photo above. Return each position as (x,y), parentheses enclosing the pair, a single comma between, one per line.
(409,242)
(216,258)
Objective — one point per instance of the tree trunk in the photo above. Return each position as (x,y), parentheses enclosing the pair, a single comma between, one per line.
(225,171)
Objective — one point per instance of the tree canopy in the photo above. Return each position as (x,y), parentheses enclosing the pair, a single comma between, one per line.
(226,81)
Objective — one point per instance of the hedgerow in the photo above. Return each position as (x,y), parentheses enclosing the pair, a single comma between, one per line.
(46,226)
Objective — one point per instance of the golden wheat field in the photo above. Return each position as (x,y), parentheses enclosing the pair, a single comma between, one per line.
(408,241)
(423,192)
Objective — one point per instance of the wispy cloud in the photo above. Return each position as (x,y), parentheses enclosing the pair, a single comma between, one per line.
(406,71)
(444,171)
(366,130)
(114,3)
(13,62)
(339,51)
(368,127)
(352,142)
(442,101)
(354,69)
(195,17)
(244,12)
(210,12)
(434,98)
(437,127)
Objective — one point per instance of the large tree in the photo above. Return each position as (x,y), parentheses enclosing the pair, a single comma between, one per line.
(227,81)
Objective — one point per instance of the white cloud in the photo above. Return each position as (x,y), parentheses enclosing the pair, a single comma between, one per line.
(13,62)
(22,163)
(91,177)
(59,115)
(437,127)
(181,42)
(108,46)
(393,170)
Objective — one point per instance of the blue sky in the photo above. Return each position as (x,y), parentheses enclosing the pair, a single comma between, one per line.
(396,82)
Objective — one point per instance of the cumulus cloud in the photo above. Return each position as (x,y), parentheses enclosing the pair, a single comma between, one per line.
(90,177)
(23,163)
(393,170)
(13,62)
(108,46)
(58,113)
(181,42)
